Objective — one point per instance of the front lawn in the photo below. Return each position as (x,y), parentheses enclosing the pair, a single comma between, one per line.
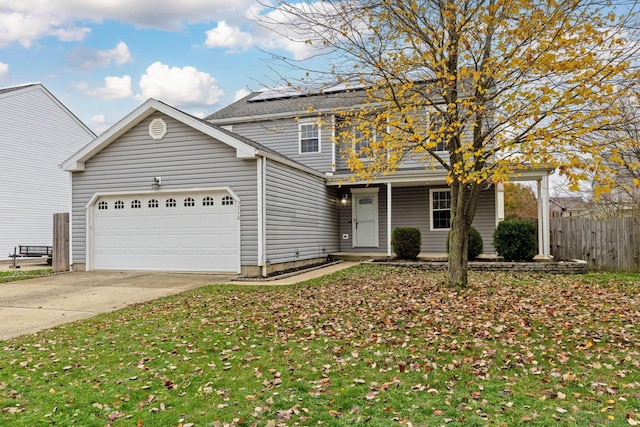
(14,275)
(368,346)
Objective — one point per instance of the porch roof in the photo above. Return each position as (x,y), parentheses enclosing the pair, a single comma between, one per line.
(422,176)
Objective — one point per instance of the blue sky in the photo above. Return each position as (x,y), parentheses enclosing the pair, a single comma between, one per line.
(102,58)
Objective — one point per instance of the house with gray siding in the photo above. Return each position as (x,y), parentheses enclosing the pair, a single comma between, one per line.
(255,187)
(37,134)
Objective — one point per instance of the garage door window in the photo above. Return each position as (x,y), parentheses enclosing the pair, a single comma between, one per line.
(227,201)
(135,204)
(207,201)
(171,203)
(189,202)
(119,204)
(102,206)
(153,203)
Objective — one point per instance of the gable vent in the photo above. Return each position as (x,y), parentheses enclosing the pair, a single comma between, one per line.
(157,129)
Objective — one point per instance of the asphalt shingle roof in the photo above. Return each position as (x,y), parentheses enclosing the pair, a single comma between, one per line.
(248,107)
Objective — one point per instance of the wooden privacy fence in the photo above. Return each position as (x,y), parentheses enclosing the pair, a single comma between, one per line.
(60,242)
(611,245)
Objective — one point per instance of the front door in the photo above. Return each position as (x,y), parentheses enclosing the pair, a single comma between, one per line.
(365,220)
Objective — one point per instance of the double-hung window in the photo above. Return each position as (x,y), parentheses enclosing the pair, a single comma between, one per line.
(435,129)
(440,207)
(362,142)
(309,132)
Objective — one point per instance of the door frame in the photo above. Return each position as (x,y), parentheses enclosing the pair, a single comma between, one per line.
(89,237)
(356,193)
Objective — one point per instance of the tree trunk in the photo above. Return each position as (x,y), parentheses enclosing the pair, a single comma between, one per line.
(458,252)
(464,200)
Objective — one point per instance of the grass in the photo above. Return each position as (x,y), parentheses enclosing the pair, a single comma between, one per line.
(372,345)
(13,275)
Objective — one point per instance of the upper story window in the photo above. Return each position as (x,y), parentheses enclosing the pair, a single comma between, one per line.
(309,137)
(362,142)
(440,207)
(435,125)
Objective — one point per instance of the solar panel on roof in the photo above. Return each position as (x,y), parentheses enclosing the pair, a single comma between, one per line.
(281,93)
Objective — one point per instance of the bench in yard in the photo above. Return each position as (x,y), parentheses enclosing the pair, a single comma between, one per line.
(31,251)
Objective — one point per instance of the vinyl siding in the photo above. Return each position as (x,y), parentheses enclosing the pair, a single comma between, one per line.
(282,136)
(37,134)
(410,208)
(184,159)
(301,215)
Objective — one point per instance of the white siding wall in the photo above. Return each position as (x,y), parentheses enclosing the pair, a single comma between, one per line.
(185,158)
(301,215)
(36,135)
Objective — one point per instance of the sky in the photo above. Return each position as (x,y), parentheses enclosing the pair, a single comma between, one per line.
(103,58)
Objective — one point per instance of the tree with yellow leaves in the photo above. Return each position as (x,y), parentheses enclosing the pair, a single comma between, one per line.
(502,85)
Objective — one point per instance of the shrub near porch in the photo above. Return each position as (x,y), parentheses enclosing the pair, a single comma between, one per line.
(371,345)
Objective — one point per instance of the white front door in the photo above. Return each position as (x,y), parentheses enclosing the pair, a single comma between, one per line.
(365,220)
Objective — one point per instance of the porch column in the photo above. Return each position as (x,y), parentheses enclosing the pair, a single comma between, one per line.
(544,249)
(545,217)
(389,219)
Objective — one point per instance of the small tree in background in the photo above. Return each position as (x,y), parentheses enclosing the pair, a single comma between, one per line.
(519,201)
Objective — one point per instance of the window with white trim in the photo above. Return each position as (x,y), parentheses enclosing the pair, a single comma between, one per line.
(435,124)
(309,136)
(207,201)
(135,204)
(119,205)
(153,203)
(102,206)
(189,201)
(170,203)
(227,201)
(440,207)
(362,142)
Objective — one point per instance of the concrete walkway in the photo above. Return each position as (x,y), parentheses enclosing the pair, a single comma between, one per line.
(32,305)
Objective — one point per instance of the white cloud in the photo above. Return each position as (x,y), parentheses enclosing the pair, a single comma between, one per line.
(114,88)
(182,87)
(99,124)
(27,21)
(241,94)
(4,69)
(230,37)
(89,58)
(98,119)
(26,26)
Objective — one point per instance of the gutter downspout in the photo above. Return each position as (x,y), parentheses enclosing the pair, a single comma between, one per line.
(261,173)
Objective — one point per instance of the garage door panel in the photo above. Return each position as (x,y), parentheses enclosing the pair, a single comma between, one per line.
(182,232)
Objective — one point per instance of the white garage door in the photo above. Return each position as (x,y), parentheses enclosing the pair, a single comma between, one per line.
(167,232)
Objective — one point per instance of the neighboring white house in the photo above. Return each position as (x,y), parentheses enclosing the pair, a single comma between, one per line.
(37,134)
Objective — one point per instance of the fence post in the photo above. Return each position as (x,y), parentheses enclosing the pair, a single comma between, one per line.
(60,242)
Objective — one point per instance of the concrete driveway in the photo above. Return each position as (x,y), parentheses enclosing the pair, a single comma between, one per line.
(28,306)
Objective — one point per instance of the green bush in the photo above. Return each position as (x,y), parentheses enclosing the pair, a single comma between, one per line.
(515,240)
(406,242)
(475,243)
